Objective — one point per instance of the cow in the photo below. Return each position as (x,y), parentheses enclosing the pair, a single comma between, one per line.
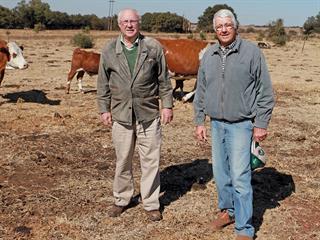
(13,58)
(182,56)
(4,58)
(82,62)
(183,59)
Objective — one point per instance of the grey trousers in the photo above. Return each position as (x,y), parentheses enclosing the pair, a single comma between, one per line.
(147,137)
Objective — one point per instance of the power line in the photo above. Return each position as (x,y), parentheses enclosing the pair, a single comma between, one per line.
(110,15)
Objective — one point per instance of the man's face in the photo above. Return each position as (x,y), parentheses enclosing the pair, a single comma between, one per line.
(129,25)
(225,30)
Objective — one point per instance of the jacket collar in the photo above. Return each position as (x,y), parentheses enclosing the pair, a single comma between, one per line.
(120,40)
(235,48)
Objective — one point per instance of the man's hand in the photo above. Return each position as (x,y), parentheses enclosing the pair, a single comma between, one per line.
(166,115)
(201,133)
(106,118)
(259,134)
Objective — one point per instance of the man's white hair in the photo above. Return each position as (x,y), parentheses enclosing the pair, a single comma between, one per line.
(120,14)
(225,13)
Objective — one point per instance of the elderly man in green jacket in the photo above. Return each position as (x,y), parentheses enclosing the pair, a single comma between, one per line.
(132,86)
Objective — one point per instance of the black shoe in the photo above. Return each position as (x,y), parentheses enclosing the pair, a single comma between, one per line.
(115,211)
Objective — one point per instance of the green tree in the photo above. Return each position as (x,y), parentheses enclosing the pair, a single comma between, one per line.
(32,13)
(58,20)
(163,22)
(40,11)
(25,14)
(205,20)
(147,21)
(6,17)
(96,23)
(277,33)
(312,24)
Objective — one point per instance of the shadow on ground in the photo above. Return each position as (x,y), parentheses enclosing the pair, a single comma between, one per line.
(90,91)
(177,180)
(35,96)
(269,187)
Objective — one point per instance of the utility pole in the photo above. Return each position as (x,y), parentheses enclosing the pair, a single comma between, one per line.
(110,15)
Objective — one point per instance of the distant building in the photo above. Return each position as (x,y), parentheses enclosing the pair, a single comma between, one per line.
(193,27)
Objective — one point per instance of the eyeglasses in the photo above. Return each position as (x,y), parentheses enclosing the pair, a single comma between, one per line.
(131,22)
(228,26)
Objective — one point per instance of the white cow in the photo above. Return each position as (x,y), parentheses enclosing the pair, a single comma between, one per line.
(17,60)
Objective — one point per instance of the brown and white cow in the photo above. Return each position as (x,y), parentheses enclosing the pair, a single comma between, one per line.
(182,56)
(82,62)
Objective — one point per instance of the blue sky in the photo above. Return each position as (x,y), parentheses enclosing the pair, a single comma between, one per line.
(258,12)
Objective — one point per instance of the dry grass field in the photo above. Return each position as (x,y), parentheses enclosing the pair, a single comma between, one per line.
(57,160)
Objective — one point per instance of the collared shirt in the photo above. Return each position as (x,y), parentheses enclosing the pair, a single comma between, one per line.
(134,44)
(226,49)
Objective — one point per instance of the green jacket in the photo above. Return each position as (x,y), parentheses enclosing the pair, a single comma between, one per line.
(122,94)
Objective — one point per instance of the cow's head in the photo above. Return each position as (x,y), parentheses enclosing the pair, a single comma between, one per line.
(17,60)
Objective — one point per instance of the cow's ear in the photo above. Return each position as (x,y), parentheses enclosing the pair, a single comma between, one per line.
(21,47)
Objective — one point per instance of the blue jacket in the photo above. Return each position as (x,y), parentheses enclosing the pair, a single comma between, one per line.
(243,92)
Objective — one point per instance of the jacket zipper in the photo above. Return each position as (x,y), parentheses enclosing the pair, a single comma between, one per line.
(224,59)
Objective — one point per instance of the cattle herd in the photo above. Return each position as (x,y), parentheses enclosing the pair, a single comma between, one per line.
(182,56)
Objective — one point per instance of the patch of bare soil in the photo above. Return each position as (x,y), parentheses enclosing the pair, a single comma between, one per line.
(57,161)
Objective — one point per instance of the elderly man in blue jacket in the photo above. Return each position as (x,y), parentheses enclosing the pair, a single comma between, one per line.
(235,91)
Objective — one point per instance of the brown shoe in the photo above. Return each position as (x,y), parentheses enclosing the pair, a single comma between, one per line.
(223,219)
(154,215)
(115,211)
(242,237)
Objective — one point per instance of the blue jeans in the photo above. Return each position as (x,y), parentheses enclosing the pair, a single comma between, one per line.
(231,169)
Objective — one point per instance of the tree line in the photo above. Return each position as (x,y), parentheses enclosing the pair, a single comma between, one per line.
(37,14)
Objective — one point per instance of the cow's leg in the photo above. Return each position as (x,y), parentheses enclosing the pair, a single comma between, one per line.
(179,84)
(79,78)
(70,77)
(1,76)
(190,94)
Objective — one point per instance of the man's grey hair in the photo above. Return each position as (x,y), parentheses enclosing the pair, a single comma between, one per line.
(225,13)
(120,14)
